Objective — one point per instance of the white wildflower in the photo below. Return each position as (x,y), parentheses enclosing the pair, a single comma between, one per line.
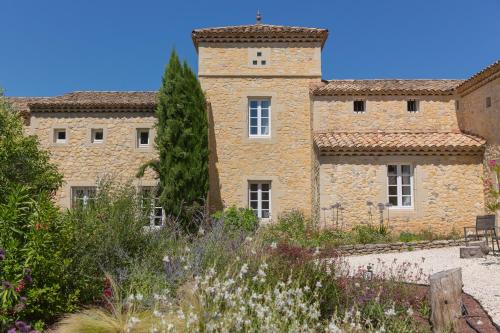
(201,231)
(156,313)
(166,259)
(409,312)
(274,245)
(131,298)
(390,312)
(318,284)
(316,251)
(139,297)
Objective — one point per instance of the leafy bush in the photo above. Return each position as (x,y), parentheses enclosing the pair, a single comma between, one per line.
(238,219)
(367,234)
(34,241)
(22,162)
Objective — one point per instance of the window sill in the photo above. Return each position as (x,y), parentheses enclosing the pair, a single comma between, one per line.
(401,208)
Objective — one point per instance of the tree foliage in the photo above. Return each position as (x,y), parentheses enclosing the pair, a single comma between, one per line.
(181,141)
(22,162)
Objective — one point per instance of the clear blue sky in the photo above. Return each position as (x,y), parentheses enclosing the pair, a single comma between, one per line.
(51,47)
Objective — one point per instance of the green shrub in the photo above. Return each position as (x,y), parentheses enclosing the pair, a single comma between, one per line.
(238,219)
(367,234)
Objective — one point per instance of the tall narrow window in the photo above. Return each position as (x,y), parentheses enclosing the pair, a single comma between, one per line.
(400,185)
(82,196)
(412,106)
(488,102)
(359,106)
(259,198)
(259,118)
(150,203)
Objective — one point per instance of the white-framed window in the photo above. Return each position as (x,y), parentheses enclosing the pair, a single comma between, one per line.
(259,198)
(400,185)
(359,106)
(143,137)
(151,204)
(97,135)
(60,135)
(82,196)
(259,117)
(412,105)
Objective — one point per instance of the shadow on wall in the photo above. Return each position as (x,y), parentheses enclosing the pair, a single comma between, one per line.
(214,196)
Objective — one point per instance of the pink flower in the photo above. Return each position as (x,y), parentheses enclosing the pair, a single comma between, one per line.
(492,163)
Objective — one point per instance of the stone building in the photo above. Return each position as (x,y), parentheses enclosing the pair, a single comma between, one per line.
(411,152)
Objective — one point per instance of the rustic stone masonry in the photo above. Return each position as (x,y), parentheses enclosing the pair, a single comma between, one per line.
(360,249)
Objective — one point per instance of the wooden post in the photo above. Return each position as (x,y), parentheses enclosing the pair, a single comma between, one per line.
(446,300)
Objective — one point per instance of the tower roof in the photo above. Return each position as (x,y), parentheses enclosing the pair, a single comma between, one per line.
(259,33)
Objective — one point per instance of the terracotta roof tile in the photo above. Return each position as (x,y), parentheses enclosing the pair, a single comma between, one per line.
(386,87)
(482,77)
(96,100)
(259,33)
(397,142)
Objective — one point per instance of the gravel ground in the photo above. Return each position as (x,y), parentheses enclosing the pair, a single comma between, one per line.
(481,277)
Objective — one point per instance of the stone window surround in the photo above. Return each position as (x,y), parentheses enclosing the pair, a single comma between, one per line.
(275,193)
(243,105)
(259,100)
(95,126)
(152,134)
(52,133)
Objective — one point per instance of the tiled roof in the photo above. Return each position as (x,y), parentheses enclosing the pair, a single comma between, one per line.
(338,142)
(97,101)
(482,77)
(386,87)
(259,33)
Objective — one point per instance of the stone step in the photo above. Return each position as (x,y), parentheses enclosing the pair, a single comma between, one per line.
(471,252)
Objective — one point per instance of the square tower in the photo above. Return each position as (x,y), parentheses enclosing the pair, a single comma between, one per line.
(257,80)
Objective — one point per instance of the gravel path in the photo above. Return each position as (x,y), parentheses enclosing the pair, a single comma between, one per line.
(481,277)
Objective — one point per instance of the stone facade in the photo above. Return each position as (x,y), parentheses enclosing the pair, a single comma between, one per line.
(84,163)
(448,192)
(283,66)
(385,113)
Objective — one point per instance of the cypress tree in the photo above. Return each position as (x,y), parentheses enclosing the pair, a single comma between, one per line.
(182,142)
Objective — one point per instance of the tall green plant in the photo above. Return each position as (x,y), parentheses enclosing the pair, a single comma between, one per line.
(182,142)
(22,162)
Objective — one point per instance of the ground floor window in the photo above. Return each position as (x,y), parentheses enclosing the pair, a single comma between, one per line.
(82,196)
(150,203)
(259,198)
(400,185)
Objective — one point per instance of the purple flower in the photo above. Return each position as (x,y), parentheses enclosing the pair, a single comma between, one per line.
(12,330)
(23,327)
(2,254)
(23,299)
(6,285)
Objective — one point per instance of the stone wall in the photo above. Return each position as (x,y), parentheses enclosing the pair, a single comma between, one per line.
(361,249)
(282,59)
(447,191)
(285,158)
(385,113)
(83,163)
(475,118)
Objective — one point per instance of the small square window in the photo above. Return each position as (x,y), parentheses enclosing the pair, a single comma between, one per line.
(143,138)
(259,54)
(412,106)
(488,102)
(60,135)
(262,62)
(359,106)
(255,62)
(457,105)
(97,135)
